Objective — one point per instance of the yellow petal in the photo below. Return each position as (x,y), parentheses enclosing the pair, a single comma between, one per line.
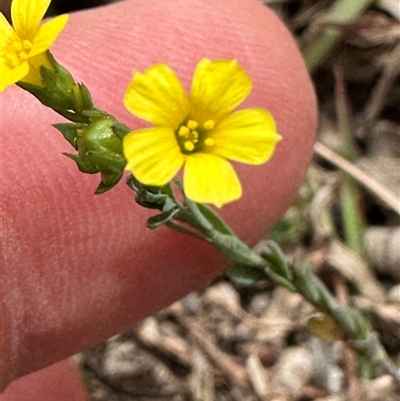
(153,155)
(34,75)
(7,34)
(27,15)
(47,34)
(157,96)
(218,87)
(10,76)
(247,136)
(210,179)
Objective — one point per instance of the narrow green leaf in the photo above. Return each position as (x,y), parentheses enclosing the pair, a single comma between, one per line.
(160,219)
(215,219)
(276,259)
(245,275)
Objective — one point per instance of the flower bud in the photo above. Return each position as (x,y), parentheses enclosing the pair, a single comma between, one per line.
(99,148)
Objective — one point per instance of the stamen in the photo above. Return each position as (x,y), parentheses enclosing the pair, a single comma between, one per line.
(23,55)
(191,139)
(192,124)
(209,124)
(183,131)
(189,146)
(27,44)
(12,60)
(17,46)
(17,52)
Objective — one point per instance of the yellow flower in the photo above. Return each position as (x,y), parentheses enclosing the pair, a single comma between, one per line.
(23,45)
(200,132)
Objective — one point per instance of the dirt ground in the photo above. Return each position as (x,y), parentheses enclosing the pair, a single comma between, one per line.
(243,343)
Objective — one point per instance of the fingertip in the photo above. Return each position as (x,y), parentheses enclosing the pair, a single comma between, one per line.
(59,382)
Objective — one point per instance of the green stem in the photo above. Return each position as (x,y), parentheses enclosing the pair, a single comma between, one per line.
(184,230)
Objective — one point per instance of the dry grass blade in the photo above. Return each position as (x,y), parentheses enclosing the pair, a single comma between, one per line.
(391,70)
(221,360)
(384,194)
(257,376)
(351,266)
(352,216)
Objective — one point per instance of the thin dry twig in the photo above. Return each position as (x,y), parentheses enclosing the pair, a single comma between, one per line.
(353,268)
(221,360)
(384,194)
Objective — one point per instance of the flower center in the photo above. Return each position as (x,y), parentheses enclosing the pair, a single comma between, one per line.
(193,137)
(17,52)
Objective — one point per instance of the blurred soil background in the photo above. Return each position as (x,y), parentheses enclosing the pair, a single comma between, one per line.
(259,342)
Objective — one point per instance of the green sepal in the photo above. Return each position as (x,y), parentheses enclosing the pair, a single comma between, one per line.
(245,275)
(58,86)
(107,182)
(107,163)
(120,130)
(69,132)
(81,98)
(60,92)
(97,144)
(276,259)
(56,99)
(83,166)
(99,149)
(97,114)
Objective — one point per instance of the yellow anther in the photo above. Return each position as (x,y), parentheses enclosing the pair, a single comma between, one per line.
(195,134)
(17,52)
(189,146)
(17,46)
(27,44)
(23,55)
(13,60)
(209,142)
(192,124)
(183,131)
(209,124)
(11,57)
(195,140)
(23,46)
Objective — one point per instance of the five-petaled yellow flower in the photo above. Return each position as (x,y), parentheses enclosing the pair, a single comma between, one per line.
(23,44)
(200,132)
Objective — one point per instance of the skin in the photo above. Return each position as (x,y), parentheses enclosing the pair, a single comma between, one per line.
(79,268)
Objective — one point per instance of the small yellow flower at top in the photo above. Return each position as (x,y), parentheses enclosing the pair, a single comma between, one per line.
(200,132)
(23,44)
